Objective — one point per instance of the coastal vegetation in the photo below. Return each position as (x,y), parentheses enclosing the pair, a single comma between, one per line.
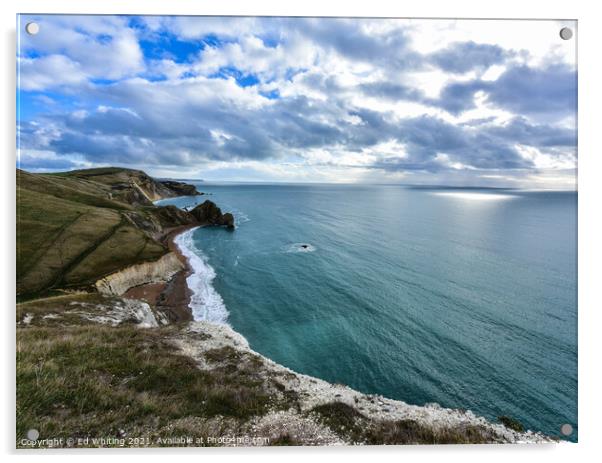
(125,364)
(511,423)
(76,227)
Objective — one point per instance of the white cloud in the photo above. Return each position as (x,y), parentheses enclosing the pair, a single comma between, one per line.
(552,161)
(539,41)
(102,46)
(49,72)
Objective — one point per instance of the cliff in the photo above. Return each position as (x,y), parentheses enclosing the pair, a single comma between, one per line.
(133,186)
(202,381)
(75,228)
(160,270)
(181,188)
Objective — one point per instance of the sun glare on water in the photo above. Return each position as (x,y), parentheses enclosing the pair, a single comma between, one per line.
(476,196)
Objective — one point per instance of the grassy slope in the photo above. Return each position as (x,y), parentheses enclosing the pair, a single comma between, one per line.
(97,380)
(77,378)
(69,233)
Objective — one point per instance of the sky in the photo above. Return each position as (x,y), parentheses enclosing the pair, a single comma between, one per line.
(436,102)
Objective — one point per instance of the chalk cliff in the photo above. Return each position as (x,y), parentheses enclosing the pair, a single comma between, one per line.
(160,270)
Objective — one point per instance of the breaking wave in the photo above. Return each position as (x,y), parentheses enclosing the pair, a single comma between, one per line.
(206,303)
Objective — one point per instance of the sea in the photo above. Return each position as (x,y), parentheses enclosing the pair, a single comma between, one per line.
(462,297)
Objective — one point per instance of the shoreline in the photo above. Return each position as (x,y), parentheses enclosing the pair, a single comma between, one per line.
(177,290)
(171,297)
(320,391)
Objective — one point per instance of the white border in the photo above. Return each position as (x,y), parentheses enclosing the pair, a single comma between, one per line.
(590,231)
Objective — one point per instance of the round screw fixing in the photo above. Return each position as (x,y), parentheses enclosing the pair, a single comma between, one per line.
(32,28)
(566,33)
(566,429)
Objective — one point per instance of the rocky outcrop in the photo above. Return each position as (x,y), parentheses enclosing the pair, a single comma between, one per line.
(172,216)
(181,188)
(160,270)
(209,214)
(134,187)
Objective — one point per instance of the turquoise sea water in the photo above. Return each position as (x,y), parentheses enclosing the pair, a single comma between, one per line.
(464,297)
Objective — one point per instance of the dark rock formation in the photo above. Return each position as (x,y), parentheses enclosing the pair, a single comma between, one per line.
(208,213)
(228,220)
(181,188)
(171,216)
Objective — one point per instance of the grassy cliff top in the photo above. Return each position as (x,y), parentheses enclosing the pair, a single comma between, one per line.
(76,227)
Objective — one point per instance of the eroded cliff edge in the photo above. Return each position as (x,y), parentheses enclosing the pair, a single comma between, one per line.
(149,379)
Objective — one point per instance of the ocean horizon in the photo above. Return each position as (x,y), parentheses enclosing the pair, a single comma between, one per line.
(464,297)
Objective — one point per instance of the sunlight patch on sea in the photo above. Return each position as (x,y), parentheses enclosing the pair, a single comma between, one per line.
(475,196)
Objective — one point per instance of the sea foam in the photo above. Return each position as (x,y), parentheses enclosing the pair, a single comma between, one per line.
(206,303)
(299,247)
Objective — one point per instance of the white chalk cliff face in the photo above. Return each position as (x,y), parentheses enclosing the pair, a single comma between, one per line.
(160,270)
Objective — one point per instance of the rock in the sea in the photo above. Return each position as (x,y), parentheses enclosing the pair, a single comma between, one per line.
(228,220)
(209,213)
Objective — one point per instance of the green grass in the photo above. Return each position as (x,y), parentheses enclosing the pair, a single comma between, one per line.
(404,432)
(70,234)
(343,419)
(73,189)
(350,424)
(96,380)
(511,423)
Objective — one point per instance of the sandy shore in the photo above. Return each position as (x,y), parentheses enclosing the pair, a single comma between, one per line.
(173,297)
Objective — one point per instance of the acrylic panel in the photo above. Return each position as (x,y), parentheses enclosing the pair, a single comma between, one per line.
(241,231)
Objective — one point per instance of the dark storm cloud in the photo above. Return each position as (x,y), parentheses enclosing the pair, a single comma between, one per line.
(427,136)
(458,97)
(548,93)
(521,131)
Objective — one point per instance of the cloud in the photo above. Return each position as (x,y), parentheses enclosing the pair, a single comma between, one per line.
(103,47)
(314,95)
(49,72)
(466,56)
(548,93)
